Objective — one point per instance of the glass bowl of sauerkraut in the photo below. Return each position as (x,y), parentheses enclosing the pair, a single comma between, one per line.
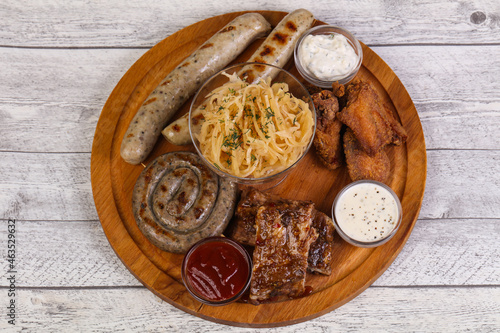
(252,123)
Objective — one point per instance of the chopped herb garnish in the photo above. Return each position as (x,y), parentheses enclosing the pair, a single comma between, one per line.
(269,113)
(233,140)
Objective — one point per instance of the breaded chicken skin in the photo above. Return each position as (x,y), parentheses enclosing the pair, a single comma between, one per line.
(360,165)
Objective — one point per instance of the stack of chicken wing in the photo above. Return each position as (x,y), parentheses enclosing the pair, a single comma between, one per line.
(352,122)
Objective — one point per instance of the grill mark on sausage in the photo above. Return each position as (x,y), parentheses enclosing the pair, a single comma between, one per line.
(179,172)
(248,76)
(268,50)
(280,38)
(259,68)
(153,225)
(291,26)
(182,198)
(197,212)
(197,119)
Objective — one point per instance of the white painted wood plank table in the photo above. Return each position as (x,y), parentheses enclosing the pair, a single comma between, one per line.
(60,60)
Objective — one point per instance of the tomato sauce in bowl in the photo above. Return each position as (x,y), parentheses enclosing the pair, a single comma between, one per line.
(217,270)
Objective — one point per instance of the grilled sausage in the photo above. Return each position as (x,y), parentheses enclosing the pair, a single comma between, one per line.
(275,50)
(177,201)
(184,80)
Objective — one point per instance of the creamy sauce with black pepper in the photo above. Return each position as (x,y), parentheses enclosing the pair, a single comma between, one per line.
(327,56)
(367,212)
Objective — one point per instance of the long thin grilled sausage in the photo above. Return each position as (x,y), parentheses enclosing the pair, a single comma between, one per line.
(275,50)
(185,79)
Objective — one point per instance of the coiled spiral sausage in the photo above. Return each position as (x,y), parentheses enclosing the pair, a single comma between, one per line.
(177,200)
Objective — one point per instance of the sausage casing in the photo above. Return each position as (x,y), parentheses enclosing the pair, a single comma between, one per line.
(177,201)
(184,80)
(276,50)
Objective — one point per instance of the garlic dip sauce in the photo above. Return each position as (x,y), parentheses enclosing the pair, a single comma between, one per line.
(367,212)
(327,56)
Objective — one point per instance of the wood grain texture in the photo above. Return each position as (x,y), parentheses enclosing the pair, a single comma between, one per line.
(52,98)
(61,114)
(355,268)
(76,254)
(41,186)
(46,186)
(448,252)
(145,23)
(61,60)
(136,310)
(467,191)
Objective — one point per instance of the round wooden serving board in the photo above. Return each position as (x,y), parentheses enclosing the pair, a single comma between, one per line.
(354,269)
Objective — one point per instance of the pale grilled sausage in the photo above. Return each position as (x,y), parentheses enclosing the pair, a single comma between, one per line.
(185,79)
(177,201)
(276,50)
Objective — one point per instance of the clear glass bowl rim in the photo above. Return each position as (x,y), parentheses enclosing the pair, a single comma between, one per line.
(356,242)
(238,247)
(343,79)
(249,180)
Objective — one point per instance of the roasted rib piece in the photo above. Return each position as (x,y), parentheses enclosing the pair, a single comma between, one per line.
(372,122)
(360,165)
(327,139)
(284,236)
(321,251)
(242,228)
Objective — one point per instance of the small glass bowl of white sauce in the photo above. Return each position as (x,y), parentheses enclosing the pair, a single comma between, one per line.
(367,213)
(326,54)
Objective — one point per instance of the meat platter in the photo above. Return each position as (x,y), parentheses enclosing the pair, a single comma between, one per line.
(354,269)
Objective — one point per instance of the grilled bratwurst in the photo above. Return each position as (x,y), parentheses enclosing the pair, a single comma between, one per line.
(184,80)
(276,50)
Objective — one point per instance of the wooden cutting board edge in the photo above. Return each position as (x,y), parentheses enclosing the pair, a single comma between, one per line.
(119,233)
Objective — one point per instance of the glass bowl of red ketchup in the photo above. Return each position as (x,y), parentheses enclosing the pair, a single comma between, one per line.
(217,270)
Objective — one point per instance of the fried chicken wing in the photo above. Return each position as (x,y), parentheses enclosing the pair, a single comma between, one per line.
(399,134)
(327,140)
(372,122)
(360,165)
